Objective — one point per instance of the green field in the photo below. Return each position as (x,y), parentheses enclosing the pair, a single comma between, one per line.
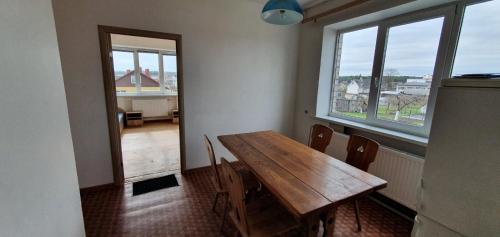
(386,113)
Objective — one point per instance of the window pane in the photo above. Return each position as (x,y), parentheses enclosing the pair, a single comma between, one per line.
(478,47)
(170,73)
(353,72)
(150,72)
(123,64)
(408,67)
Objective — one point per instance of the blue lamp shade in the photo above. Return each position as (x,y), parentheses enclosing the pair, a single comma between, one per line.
(282,12)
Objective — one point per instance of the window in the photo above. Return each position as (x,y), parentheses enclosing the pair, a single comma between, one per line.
(410,58)
(123,64)
(144,72)
(478,49)
(150,72)
(170,73)
(384,73)
(355,52)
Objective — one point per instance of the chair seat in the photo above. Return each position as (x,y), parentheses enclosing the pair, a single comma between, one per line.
(266,217)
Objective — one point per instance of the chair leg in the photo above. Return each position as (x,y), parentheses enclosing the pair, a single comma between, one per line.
(356,207)
(323,221)
(226,203)
(215,201)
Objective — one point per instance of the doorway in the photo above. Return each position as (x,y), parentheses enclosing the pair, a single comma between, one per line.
(143,77)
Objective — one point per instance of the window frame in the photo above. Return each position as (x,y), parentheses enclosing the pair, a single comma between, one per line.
(162,68)
(457,30)
(441,69)
(137,71)
(335,68)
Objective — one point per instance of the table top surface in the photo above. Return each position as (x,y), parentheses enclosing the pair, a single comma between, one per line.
(306,181)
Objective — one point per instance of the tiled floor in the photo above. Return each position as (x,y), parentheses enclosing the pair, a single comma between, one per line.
(150,150)
(186,211)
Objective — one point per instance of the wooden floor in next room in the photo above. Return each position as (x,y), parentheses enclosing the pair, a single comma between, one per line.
(151,150)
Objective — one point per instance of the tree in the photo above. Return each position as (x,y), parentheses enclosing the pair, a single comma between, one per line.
(389,77)
(402,100)
(364,104)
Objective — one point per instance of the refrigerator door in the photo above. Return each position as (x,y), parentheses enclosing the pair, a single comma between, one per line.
(425,227)
(461,179)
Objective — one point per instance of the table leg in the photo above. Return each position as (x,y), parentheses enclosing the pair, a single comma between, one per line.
(312,226)
(330,223)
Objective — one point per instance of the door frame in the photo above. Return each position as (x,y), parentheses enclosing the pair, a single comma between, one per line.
(111,98)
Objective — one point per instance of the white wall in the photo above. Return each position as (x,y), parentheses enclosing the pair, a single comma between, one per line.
(39,189)
(239,72)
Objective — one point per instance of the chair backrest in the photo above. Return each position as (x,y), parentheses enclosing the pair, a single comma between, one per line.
(236,190)
(213,162)
(319,137)
(361,152)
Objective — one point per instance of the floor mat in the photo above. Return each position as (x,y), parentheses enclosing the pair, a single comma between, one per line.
(150,185)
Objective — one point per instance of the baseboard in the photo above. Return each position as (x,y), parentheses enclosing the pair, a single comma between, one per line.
(98,188)
(157,119)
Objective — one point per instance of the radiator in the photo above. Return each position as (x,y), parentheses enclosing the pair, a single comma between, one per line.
(151,107)
(401,170)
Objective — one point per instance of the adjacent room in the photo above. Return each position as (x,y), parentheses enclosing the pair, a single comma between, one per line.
(169,118)
(146,88)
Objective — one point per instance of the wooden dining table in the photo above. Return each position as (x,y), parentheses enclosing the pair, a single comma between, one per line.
(309,183)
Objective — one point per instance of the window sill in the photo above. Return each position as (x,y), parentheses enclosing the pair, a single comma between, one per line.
(421,141)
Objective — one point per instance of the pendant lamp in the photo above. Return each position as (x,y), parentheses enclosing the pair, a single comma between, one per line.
(282,12)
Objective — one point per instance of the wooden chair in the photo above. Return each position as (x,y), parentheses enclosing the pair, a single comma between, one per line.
(361,152)
(319,137)
(257,218)
(249,179)
(216,179)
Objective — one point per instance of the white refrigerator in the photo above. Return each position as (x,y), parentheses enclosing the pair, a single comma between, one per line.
(460,190)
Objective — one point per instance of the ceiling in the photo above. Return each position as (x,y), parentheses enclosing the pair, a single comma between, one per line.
(304,3)
(310,3)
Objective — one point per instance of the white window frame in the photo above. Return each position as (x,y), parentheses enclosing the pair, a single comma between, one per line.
(440,70)
(137,70)
(455,36)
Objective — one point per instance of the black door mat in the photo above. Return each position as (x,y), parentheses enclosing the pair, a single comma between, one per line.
(150,185)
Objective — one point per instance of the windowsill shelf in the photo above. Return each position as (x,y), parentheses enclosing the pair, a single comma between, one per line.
(417,140)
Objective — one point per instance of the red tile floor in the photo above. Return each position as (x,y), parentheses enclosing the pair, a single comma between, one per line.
(186,211)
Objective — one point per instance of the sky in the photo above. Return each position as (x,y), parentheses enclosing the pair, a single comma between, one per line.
(412,49)
(125,60)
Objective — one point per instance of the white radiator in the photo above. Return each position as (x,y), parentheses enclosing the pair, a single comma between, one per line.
(401,170)
(151,107)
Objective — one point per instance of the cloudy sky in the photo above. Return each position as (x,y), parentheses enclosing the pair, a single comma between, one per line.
(411,49)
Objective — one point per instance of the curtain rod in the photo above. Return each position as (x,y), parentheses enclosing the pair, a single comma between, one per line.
(334,10)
